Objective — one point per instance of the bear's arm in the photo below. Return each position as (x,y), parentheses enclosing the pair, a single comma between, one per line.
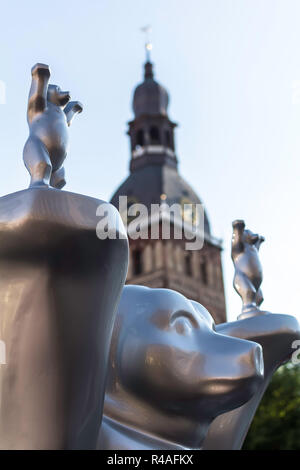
(72,108)
(37,101)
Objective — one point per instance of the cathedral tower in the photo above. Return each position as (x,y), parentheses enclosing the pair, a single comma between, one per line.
(153,179)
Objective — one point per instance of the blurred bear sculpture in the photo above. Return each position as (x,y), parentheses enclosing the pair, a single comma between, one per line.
(276,334)
(170,373)
(248,270)
(61,279)
(49,114)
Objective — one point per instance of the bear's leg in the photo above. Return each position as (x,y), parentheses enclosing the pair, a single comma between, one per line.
(58,180)
(246,290)
(37,162)
(259,297)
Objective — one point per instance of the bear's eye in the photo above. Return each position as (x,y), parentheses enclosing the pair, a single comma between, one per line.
(183,326)
(184,316)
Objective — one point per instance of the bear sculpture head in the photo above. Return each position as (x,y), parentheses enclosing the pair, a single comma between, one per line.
(170,374)
(58,97)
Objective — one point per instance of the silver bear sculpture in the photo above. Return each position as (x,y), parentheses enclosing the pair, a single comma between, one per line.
(248,270)
(49,114)
(275,332)
(170,373)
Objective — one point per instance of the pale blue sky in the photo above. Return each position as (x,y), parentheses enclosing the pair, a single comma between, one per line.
(230,67)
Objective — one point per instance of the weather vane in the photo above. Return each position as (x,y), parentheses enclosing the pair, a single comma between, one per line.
(148,45)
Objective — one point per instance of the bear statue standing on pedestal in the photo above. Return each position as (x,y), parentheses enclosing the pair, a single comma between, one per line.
(248,270)
(275,332)
(60,284)
(49,114)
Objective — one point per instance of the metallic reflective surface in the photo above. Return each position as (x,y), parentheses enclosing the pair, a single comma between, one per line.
(170,374)
(274,332)
(59,288)
(248,270)
(49,114)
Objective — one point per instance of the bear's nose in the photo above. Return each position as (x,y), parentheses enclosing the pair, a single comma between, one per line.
(257,358)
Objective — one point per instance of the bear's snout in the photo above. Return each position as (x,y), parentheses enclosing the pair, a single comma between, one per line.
(234,370)
(251,362)
(257,358)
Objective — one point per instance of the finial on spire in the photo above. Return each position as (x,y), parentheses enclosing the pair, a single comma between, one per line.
(148,45)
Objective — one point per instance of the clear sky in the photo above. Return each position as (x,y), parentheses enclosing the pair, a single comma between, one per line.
(232,68)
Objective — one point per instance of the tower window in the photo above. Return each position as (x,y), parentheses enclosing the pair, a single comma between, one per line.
(188,264)
(203,272)
(154,135)
(140,137)
(167,138)
(137,262)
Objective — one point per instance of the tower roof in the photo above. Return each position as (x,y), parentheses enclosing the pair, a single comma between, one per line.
(155,184)
(150,98)
(154,178)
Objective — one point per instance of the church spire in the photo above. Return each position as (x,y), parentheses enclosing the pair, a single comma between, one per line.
(148,70)
(151,132)
(148,44)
